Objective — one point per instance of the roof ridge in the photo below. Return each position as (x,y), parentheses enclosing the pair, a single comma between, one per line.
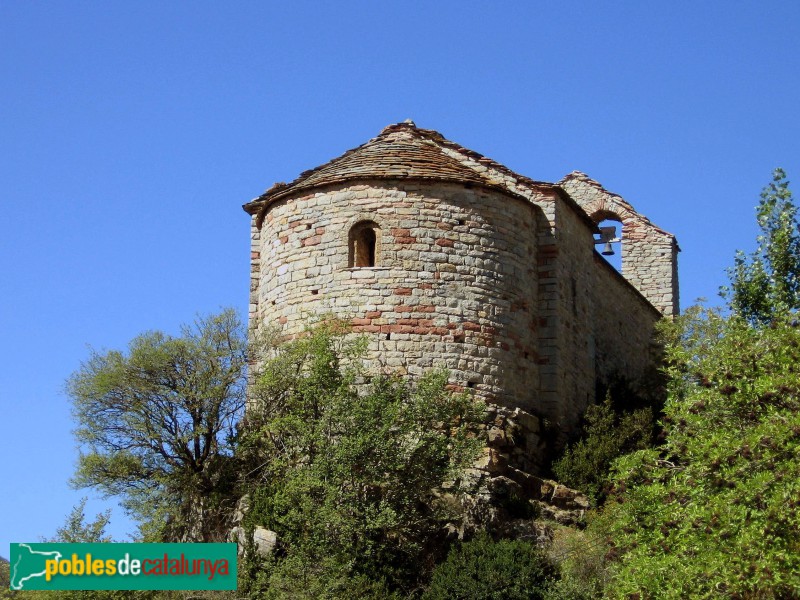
(584,178)
(580,175)
(488,162)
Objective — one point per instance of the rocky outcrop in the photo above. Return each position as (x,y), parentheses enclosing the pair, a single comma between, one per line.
(505,497)
(513,441)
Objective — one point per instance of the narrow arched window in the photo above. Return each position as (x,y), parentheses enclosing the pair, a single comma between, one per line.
(365,243)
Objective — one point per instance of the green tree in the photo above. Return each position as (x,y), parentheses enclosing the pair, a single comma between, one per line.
(355,474)
(767,282)
(77,531)
(716,511)
(156,425)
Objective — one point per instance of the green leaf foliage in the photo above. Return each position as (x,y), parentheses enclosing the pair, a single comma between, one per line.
(716,511)
(156,425)
(767,282)
(297,576)
(482,569)
(607,435)
(349,470)
(77,531)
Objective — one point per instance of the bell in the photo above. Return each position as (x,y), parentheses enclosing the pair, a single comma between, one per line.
(607,250)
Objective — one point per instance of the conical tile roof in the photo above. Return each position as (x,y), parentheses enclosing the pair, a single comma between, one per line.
(399,152)
(404,151)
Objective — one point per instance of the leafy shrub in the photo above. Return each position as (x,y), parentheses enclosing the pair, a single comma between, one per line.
(346,469)
(482,569)
(330,578)
(607,434)
(580,557)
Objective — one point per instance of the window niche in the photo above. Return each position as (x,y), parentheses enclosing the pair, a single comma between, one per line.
(365,245)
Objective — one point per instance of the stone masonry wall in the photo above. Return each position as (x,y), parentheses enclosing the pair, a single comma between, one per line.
(455,285)
(574,318)
(649,254)
(603,326)
(623,339)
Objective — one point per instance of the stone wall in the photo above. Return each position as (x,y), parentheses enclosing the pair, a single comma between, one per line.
(506,293)
(623,339)
(602,327)
(573,321)
(455,284)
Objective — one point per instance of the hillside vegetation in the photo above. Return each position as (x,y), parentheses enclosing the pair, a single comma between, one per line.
(352,478)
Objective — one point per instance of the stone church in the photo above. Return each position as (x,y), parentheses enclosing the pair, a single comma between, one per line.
(445,258)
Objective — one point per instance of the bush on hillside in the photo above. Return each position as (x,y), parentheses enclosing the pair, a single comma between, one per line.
(607,435)
(483,569)
(715,512)
(349,469)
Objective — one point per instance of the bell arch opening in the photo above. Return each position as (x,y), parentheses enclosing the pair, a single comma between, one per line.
(609,243)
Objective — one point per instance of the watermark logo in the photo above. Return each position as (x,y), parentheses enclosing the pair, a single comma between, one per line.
(123,566)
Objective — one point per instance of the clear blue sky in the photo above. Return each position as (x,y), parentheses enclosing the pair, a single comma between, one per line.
(133,132)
